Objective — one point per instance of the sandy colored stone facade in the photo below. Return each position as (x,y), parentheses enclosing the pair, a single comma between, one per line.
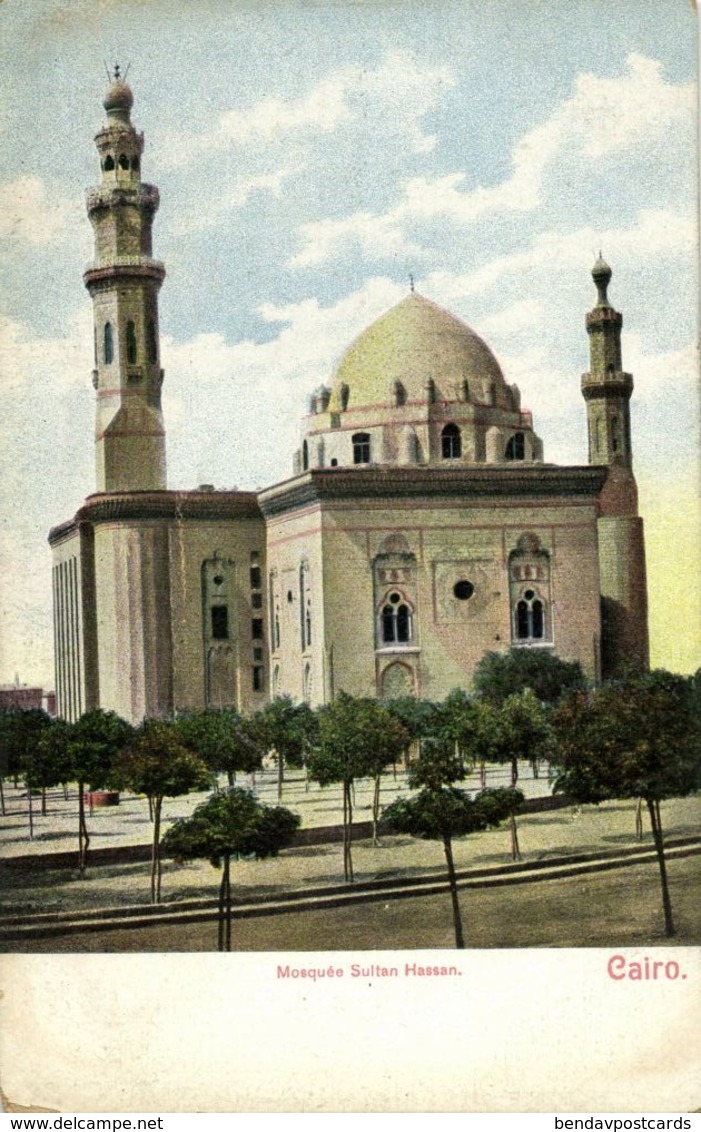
(421,527)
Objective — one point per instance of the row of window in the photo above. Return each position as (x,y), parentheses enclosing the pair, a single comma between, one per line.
(451,446)
(122,161)
(528,617)
(131,343)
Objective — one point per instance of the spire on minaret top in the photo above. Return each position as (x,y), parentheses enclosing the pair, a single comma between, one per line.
(601,274)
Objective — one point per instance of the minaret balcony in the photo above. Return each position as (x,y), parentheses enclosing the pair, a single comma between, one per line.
(116,193)
(110,268)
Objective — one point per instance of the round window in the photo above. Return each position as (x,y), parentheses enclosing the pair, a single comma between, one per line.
(529,595)
(218,580)
(395,598)
(463,590)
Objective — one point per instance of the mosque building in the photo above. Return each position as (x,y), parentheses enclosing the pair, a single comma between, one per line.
(420,528)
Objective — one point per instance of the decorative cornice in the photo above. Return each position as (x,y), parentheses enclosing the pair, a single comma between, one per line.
(163,506)
(483,482)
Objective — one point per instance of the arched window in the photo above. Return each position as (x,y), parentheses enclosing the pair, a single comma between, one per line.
(516,448)
(396,621)
(530,617)
(135,164)
(305,456)
(123,161)
(451,442)
(614,434)
(109,164)
(131,343)
(108,344)
(361,448)
(152,343)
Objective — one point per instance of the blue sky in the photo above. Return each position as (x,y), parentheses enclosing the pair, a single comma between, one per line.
(310,156)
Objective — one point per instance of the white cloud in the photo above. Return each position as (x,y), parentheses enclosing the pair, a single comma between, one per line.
(635,110)
(243,189)
(29,214)
(393,97)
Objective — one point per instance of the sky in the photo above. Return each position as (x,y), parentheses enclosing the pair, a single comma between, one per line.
(310,157)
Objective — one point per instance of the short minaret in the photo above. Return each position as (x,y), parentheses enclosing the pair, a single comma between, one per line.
(606,388)
(124,282)
(607,391)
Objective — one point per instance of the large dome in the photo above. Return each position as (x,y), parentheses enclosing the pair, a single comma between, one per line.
(413,343)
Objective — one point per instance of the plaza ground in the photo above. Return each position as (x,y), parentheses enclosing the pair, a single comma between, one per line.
(591,910)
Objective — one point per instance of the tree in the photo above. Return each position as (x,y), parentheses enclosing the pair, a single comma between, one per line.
(231,824)
(418,717)
(21,730)
(639,737)
(223,739)
(286,728)
(359,738)
(441,811)
(48,763)
(94,741)
(500,675)
(157,763)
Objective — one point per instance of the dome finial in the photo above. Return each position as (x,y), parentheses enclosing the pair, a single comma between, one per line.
(601,274)
(119,99)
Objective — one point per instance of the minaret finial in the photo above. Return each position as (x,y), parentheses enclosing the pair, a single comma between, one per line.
(411,284)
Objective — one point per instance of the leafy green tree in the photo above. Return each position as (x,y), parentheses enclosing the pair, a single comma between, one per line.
(21,730)
(442,812)
(288,729)
(232,824)
(94,741)
(223,739)
(634,738)
(500,675)
(418,717)
(49,763)
(359,738)
(157,763)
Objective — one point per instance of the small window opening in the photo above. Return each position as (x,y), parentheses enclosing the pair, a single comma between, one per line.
(451,442)
(131,343)
(396,622)
(108,344)
(305,456)
(530,618)
(257,628)
(257,677)
(257,601)
(256,580)
(220,622)
(516,447)
(152,343)
(463,590)
(123,161)
(361,448)
(109,164)
(345,395)
(135,164)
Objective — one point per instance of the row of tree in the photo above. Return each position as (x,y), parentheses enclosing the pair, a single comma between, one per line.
(639,738)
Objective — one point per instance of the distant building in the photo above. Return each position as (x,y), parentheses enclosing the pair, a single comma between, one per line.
(21,696)
(421,526)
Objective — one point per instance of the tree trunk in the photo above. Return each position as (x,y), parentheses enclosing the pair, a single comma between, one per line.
(483,774)
(452,880)
(43,801)
(31,814)
(83,838)
(280,775)
(2,799)
(150,808)
(221,910)
(227,901)
(347,830)
(376,810)
(639,820)
(535,767)
(514,771)
(156,851)
(653,806)
(515,848)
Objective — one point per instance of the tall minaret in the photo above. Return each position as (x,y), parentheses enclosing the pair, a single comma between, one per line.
(124,282)
(607,391)
(606,388)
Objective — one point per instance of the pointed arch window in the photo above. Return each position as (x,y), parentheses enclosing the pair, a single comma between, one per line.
(305,456)
(131,343)
(530,617)
(396,621)
(361,448)
(123,161)
(109,164)
(516,447)
(108,344)
(451,442)
(152,342)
